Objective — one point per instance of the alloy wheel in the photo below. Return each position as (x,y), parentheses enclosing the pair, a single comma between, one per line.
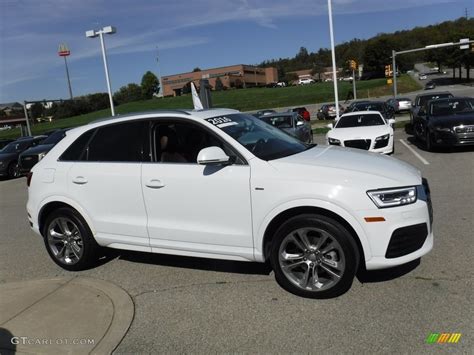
(312,259)
(65,240)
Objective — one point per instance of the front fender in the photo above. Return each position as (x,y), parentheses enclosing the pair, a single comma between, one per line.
(326,205)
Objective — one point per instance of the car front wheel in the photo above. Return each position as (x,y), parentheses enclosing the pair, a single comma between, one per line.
(69,241)
(314,256)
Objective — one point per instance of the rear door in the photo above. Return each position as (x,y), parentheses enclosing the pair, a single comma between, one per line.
(106,182)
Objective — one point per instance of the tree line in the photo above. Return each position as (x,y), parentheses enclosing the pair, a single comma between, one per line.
(376,52)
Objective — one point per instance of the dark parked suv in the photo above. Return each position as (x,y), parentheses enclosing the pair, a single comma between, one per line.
(422,99)
(34,154)
(447,122)
(10,153)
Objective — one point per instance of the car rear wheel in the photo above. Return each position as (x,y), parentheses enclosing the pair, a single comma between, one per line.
(314,256)
(69,241)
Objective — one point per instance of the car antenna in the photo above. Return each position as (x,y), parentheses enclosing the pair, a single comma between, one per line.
(196,100)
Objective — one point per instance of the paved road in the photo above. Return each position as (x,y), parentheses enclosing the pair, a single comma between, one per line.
(199,305)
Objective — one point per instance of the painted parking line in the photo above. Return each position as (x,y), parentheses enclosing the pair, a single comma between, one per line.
(415,153)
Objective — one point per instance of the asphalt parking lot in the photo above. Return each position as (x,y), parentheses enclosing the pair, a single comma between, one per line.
(200,305)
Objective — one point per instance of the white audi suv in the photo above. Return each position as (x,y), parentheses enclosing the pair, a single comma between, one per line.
(222,184)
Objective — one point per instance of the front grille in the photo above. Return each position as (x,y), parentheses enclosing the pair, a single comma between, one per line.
(358,143)
(381,143)
(464,129)
(28,161)
(406,240)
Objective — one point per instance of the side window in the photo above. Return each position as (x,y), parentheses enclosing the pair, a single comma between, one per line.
(182,142)
(122,142)
(75,150)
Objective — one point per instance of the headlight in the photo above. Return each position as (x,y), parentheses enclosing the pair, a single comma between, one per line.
(41,156)
(393,197)
(333,141)
(382,138)
(442,129)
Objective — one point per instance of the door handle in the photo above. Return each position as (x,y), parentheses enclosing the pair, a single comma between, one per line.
(80,180)
(155,184)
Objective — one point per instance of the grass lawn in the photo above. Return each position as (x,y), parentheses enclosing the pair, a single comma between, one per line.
(243,100)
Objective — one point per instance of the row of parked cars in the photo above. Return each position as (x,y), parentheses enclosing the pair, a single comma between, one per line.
(17,157)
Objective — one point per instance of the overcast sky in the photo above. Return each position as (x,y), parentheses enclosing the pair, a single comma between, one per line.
(187,33)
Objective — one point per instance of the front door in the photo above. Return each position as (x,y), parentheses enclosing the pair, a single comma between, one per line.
(193,208)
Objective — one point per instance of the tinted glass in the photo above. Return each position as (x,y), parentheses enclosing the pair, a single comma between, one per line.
(360,121)
(55,137)
(75,150)
(375,106)
(263,140)
(452,107)
(17,146)
(179,142)
(279,121)
(122,142)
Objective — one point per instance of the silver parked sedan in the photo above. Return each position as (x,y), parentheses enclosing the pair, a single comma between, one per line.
(292,123)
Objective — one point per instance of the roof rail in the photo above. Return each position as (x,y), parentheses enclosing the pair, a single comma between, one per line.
(182,111)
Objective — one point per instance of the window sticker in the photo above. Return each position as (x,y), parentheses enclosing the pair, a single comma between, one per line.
(221,122)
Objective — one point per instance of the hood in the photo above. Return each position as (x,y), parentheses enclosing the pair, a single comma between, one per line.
(465,119)
(349,166)
(366,132)
(43,148)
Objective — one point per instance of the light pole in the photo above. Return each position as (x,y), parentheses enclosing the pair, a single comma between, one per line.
(100,34)
(64,52)
(333,55)
(463,43)
(160,91)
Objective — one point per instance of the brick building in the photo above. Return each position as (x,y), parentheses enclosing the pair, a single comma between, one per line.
(234,76)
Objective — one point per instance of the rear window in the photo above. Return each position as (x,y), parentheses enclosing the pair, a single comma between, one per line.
(75,150)
(278,121)
(123,142)
(55,137)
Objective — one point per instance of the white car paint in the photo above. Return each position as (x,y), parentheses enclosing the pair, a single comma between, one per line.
(365,132)
(223,212)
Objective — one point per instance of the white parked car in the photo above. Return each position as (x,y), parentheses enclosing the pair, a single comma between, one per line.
(306,81)
(222,184)
(366,130)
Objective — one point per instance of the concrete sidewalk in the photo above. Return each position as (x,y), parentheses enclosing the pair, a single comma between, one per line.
(63,315)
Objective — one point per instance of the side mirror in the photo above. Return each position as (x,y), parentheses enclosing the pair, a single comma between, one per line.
(330,125)
(391,122)
(212,156)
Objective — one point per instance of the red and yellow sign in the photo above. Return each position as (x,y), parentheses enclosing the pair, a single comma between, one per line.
(63,50)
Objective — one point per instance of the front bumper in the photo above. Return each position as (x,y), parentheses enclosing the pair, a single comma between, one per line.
(452,138)
(404,236)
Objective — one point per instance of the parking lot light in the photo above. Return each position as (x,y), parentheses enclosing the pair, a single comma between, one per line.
(100,34)
(333,55)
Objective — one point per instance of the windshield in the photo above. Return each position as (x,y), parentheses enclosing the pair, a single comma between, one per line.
(422,100)
(54,137)
(278,121)
(261,139)
(369,106)
(452,107)
(15,147)
(360,121)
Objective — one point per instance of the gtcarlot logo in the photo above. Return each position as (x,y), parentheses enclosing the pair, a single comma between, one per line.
(441,338)
(20,340)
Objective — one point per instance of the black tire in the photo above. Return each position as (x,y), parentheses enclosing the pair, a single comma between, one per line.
(347,253)
(90,248)
(13,171)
